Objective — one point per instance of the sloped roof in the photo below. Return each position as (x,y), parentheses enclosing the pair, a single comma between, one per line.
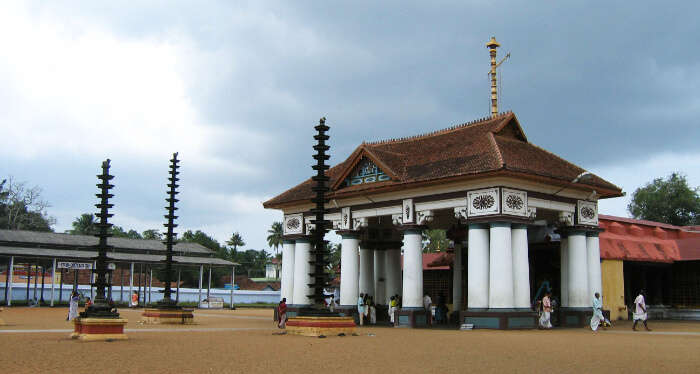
(491,145)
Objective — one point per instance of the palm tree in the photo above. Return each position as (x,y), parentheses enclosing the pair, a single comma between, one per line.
(274,240)
(84,225)
(435,241)
(235,242)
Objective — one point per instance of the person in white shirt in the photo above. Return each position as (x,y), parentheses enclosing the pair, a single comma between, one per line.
(640,311)
(427,302)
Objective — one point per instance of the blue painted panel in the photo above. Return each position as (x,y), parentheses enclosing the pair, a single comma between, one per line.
(420,320)
(571,320)
(483,322)
(403,321)
(291,314)
(521,322)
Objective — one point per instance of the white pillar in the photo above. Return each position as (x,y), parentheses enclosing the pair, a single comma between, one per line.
(201,278)
(457,279)
(287,286)
(92,281)
(302,268)
(393,272)
(53,281)
(578,271)
(564,267)
(478,267)
(131,283)
(208,284)
(521,266)
(594,274)
(349,269)
(380,278)
(367,271)
(412,269)
(500,266)
(11,274)
(233,283)
(150,285)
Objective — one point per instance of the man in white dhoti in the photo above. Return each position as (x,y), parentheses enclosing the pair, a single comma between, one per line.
(640,311)
(73,306)
(392,309)
(361,308)
(427,302)
(597,319)
(545,318)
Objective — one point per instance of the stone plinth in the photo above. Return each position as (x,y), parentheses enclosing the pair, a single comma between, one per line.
(504,319)
(578,317)
(168,316)
(320,325)
(99,329)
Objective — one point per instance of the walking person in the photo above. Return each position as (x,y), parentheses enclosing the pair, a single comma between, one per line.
(597,319)
(545,318)
(282,313)
(73,306)
(361,309)
(640,311)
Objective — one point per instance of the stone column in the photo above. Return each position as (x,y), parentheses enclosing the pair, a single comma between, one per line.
(593,257)
(457,279)
(367,271)
(521,266)
(302,270)
(380,277)
(578,270)
(199,293)
(349,269)
(10,275)
(564,268)
(412,270)
(287,286)
(393,272)
(478,267)
(233,284)
(53,281)
(500,266)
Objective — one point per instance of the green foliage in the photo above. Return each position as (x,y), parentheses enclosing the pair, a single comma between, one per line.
(84,225)
(119,232)
(235,241)
(334,258)
(435,241)
(274,240)
(152,234)
(669,201)
(22,208)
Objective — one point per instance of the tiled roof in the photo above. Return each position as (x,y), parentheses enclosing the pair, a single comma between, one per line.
(494,144)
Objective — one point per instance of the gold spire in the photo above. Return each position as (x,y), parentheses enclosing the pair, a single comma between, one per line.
(492,45)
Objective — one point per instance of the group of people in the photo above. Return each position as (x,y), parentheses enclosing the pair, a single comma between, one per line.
(546,306)
(366,309)
(441,309)
(73,305)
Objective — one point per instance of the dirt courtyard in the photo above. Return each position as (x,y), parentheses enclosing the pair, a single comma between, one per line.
(245,341)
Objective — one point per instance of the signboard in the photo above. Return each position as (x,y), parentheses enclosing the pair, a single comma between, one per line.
(79,265)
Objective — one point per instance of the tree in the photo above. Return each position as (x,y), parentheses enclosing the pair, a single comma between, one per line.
(84,225)
(119,232)
(669,201)
(334,258)
(22,208)
(152,234)
(235,242)
(274,240)
(435,241)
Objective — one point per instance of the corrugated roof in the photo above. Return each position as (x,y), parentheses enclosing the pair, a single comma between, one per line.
(492,145)
(86,241)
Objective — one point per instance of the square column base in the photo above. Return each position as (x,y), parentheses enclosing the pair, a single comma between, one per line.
(99,329)
(317,326)
(157,316)
(500,319)
(578,317)
(413,318)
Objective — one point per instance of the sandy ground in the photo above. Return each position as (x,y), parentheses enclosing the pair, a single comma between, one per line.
(245,341)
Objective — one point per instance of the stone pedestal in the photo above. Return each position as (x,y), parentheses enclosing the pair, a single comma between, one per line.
(411,317)
(168,316)
(320,325)
(578,317)
(98,329)
(506,319)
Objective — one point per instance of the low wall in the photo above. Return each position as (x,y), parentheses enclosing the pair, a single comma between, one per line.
(19,292)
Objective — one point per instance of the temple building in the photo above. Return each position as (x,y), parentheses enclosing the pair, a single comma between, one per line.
(496,194)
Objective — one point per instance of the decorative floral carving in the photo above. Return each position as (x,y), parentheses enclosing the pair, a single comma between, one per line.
(587,212)
(293,223)
(408,212)
(514,202)
(482,202)
(345,220)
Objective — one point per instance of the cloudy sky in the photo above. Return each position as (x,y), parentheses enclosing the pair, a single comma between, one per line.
(236,88)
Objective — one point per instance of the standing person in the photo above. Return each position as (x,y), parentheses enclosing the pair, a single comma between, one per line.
(134,299)
(597,318)
(73,306)
(392,309)
(88,302)
(640,311)
(360,309)
(282,313)
(372,312)
(545,319)
(331,305)
(427,301)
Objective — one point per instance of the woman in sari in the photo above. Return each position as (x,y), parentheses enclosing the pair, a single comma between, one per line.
(73,306)
(545,322)
(282,314)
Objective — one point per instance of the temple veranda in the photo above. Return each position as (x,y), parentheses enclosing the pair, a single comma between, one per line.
(488,187)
